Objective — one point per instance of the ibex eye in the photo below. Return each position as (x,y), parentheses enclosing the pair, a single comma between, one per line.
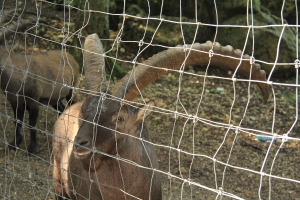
(120,119)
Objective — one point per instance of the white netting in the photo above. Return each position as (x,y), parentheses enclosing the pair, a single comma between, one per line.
(213,135)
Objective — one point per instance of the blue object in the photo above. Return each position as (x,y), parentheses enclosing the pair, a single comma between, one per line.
(263,138)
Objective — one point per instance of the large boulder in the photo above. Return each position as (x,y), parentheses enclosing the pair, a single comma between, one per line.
(288,11)
(267,41)
(139,32)
(227,9)
(233,14)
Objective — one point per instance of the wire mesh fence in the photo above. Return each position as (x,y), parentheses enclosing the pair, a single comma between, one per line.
(190,120)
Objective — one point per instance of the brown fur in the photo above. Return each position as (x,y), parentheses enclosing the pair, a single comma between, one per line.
(66,127)
(106,172)
(81,173)
(28,80)
(93,168)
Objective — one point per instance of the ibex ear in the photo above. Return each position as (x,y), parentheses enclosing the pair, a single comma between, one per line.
(145,110)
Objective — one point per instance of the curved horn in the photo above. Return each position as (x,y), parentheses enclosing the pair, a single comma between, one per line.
(173,59)
(94,64)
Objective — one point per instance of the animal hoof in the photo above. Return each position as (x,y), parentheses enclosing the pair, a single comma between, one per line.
(32,150)
(13,145)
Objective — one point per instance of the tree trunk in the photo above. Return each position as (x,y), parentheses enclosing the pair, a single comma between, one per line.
(91,22)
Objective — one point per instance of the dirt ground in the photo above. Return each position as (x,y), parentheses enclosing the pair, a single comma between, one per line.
(212,156)
(24,177)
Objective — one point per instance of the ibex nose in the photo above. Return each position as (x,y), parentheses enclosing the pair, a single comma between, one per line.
(82,145)
(82,142)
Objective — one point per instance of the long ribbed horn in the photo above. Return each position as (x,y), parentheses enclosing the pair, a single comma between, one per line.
(174,58)
(94,64)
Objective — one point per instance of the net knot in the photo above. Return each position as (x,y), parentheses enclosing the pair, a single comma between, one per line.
(210,53)
(297,63)
(252,60)
(141,43)
(119,40)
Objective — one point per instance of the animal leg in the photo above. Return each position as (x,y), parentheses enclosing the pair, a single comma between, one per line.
(60,107)
(72,98)
(63,197)
(58,187)
(33,115)
(19,115)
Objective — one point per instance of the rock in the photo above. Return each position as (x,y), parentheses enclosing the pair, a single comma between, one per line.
(172,33)
(122,50)
(227,9)
(237,4)
(183,170)
(266,41)
(289,9)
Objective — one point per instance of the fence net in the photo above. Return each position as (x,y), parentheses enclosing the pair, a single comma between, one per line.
(221,127)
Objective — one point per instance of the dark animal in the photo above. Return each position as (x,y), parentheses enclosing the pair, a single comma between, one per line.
(94,157)
(29,80)
(112,178)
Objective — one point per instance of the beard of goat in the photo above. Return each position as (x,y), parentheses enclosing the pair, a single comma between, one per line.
(38,78)
(94,162)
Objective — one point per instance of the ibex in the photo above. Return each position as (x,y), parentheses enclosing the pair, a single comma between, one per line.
(29,80)
(100,145)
